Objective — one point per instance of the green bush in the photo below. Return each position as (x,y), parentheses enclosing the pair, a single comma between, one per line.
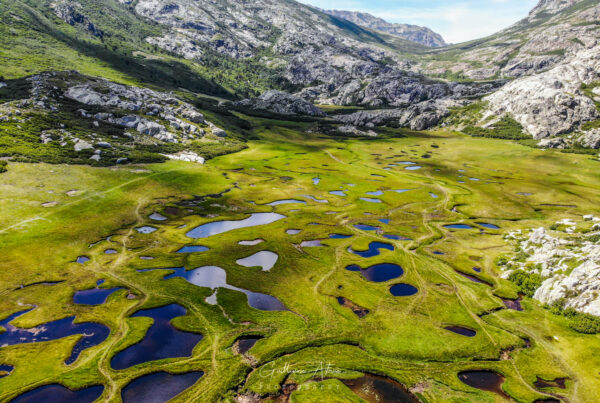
(3,165)
(527,282)
(585,323)
(505,128)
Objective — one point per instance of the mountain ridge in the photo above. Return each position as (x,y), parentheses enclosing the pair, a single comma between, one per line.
(414,33)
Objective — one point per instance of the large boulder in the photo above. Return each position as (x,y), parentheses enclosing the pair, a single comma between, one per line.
(282,103)
(590,139)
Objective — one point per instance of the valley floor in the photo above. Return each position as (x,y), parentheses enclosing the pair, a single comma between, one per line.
(52,214)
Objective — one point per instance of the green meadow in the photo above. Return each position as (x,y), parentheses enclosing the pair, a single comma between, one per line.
(52,214)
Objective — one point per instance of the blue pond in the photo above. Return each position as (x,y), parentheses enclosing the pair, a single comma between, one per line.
(369,200)
(364,227)
(146,230)
(287,201)
(396,237)
(487,225)
(214,277)
(94,296)
(316,181)
(219,227)
(403,290)
(338,193)
(58,393)
(193,249)
(379,273)
(83,259)
(458,226)
(377,193)
(413,168)
(385,221)
(433,195)
(5,370)
(374,249)
(339,236)
(92,333)
(159,387)
(162,340)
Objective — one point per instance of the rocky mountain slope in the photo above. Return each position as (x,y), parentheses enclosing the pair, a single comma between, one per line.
(540,75)
(565,261)
(414,33)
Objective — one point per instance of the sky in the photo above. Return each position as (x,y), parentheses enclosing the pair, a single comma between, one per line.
(456,20)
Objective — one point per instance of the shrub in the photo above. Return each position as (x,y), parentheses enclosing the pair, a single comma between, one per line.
(3,165)
(527,282)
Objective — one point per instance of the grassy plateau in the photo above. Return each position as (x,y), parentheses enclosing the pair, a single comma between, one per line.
(52,214)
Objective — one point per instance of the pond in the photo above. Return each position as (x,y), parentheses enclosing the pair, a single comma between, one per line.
(5,370)
(286,201)
(293,231)
(338,193)
(339,236)
(161,341)
(316,181)
(245,343)
(369,200)
(413,168)
(264,259)
(463,331)
(403,290)
(356,309)
(92,333)
(433,195)
(193,249)
(486,225)
(57,393)
(316,243)
(458,226)
(377,193)
(146,229)
(111,252)
(484,380)
(94,296)
(251,243)
(473,278)
(157,217)
(82,259)
(396,237)
(315,199)
(379,273)
(219,227)
(214,277)
(364,227)
(159,387)
(374,249)
(374,388)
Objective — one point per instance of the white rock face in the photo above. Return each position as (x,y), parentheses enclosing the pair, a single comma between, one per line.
(187,156)
(2,85)
(551,103)
(554,255)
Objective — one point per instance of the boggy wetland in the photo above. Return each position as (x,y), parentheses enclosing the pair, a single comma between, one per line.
(302,269)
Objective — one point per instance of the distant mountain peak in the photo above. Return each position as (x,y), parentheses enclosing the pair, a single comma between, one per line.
(413,33)
(551,7)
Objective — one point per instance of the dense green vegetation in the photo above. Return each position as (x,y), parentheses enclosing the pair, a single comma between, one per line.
(580,322)
(402,338)
(527,282)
